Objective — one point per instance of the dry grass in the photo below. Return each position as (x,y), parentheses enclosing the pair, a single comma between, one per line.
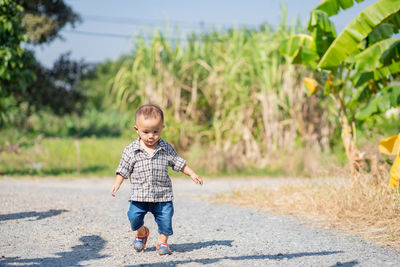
(370,210)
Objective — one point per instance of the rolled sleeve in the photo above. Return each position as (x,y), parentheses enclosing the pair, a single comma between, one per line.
(125,164)
(174,160)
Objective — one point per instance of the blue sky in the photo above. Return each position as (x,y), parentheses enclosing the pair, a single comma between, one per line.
(108,27)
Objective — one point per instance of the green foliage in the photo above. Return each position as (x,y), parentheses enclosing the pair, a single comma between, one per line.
(332,7)
(357,30)
(361,61)
(43,19)
(90,123)
(57,88)
(388,98)
(13,73)
(378,55)
(98,84)
(24,82)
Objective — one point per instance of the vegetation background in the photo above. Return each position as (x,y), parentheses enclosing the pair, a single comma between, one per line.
(271,101)
(230,95)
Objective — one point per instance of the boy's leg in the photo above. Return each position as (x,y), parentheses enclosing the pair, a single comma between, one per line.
(141,231)
(163,212)
(163,239)
(136,213)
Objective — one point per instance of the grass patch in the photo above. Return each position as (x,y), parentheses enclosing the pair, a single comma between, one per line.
(59,157)
(367,209)
(99,157)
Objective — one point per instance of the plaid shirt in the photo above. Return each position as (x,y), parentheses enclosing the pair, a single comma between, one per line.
(149,174)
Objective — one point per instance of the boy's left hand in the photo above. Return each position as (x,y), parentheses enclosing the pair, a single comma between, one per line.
(196,179)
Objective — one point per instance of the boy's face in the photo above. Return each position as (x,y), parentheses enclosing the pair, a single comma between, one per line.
(149,130)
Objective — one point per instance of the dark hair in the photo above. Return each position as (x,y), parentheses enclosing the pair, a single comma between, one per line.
(149,111)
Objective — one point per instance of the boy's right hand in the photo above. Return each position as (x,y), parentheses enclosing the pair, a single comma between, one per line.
(114,189)
(118,181)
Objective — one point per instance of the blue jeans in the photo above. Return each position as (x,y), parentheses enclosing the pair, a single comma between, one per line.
(162,212)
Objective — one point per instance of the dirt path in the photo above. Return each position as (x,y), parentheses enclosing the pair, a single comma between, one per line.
(51,222)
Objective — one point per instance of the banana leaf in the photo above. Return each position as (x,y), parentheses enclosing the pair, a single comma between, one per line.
(381,75)
(382,32)
(299,48)
(332,7)
(357,30)
(388,97)
(378,55)
(322,30)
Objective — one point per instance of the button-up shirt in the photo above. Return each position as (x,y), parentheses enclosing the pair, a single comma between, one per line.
(148,174)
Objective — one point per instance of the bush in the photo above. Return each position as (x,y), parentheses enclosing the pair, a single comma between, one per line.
(91,123)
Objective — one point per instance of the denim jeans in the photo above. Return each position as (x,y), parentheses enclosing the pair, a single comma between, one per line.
(162,212)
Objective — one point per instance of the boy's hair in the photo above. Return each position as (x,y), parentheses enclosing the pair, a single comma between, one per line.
(149,111)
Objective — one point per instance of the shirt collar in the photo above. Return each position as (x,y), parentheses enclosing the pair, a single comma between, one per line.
(162,145)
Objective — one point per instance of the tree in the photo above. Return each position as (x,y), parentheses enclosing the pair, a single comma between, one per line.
(43,19)
(13,58)
(56,88)
(356,67)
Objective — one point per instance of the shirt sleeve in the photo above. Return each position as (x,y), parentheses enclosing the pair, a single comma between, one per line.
(125,166)
(174,160)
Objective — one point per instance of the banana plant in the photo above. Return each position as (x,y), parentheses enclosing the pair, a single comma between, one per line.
(356,67)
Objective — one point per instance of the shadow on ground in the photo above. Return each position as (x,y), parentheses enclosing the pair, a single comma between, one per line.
(22,215)
(89,250)
(278,257)
(186,247)
(346,264)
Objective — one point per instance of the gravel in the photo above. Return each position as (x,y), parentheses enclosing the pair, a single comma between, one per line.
(59,222)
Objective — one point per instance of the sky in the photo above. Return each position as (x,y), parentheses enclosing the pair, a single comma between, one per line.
(108,27)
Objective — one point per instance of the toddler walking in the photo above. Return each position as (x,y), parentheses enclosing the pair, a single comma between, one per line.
(145,162)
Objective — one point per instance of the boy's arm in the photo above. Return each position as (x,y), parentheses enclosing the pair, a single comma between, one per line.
(117,183)
(195,177)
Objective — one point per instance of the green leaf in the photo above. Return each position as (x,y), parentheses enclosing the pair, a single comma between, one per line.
(332,7)
(359,79)
(382,32)
(384,102)
(388,97)
(378,75)
(395,95)
(390,70)
(357,30)
(368,110)
(299,48)
(377,55)
(322,29)
(361,94)
(392,54)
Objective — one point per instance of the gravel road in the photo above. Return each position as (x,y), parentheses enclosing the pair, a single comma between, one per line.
(50,222)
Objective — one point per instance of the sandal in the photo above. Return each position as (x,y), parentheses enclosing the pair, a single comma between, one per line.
(163,249)
(139,244)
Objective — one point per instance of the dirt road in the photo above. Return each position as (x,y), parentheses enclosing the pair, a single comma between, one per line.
(59,222)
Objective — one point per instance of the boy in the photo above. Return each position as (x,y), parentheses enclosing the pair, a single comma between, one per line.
(145,162)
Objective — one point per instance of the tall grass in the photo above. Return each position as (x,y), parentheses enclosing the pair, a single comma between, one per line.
(231,92)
